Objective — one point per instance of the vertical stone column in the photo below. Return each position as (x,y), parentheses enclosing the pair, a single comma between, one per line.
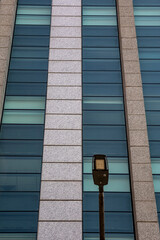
(60,215)
(144,205)
(7,19)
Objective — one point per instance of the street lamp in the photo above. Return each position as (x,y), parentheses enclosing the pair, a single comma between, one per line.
(100,173)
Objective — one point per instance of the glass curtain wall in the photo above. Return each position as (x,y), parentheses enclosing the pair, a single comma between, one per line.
(21,133)
(104,123)
(147,21)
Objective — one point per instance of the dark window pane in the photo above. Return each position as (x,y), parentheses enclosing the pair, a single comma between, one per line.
(152,103)
(102,65)
(109,148)
(102,103)
(18,222)
(19,201)
(17,164)
(150,77)
(101,77)
(115,236)
(148,31)
(39,41)
(21,132)
(155,149)
(104,133)
(18,236)
(158,201)
(30,52)
(154,133)
(151,90)
(113,202)
(153,118)
(31,30)
(114,222)
(99,3)
(101,31)
(150,65)
(102,90)
(100,42)
(26,89)
(103,117)
(34,2)
(100,53)
(20,182)
(148,42)
(27,76)
(146,3)
(30,64)
(149,53)
(15,147)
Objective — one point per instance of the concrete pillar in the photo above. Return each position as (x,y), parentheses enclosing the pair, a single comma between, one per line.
(7,19)
(60,214)
(144,204)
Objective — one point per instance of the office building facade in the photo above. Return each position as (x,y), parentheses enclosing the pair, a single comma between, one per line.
(79,78)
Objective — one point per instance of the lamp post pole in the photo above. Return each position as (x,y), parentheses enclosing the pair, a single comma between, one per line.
(101,213)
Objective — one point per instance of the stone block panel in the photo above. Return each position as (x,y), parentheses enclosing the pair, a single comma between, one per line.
(65,54)
(135,107)
(143,191)
(66,21)
(137,122)
(68,3)
(133,80)
(62,171)
(66,11)
(138,138)
(64,106)
(148,231)
(74,32)
(127,32)
(134,94)
(146,211)
(126,11)
(64,93)
(127,22)
(61,190)
(140,155)
(142,172)
(62,154)
(65,43)
(64,79)
(60,230)
(65,66)
(60,210)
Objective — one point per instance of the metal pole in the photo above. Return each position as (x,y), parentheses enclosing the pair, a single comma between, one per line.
(101,213)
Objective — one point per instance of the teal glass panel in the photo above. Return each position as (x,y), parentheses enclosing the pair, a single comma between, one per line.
(153,118)
(155,165)
(27,76)
(152,103)
(147,21)
(117,183)
(104,133)
(154,133)
(32,20)
(101,53)
(23,117)
(98,3)
(109,148)
(19,201)
(10,164)
(103,117)
(18,222)
(101,90)
(114,222)
(119,236)
(151,90)
(22,102)
(150,77)
(92,31)
(99,20)
(150,65)
(154,148)
(103,103)
(30,52)
(20,182)
(102,77)
(94,11)
(18,236)
(156,181)
(100,42)
(34,10)
(116,165)
(149,53)
(22,63)
(101,64)
(147,11)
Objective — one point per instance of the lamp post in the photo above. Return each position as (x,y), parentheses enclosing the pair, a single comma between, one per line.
(100,173)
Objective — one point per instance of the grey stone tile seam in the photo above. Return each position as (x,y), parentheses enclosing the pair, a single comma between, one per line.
(80,221)
(64,73)
(61,129)
(64,36)
(60,200)
(78,181)
(68,145)
(63,163)
(76,16)
(72,114)
(62,99)
(63,85)
(54,5)
(66,60)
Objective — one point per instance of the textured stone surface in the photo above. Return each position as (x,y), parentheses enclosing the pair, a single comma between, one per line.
(66,11)
(135,107)
(63,106)
(126,12)
(3,53)
(134,93)
(131,67)
(130,54)
(133,80)
(143,191)
(146,211)
(65,66)
(60,230)
(62,154)
(63,122)
(137,122)
(66,21)
(140,154)
(127,32)
(61,171)
(65,79)
(124,3)
(138,138)
(64,93)
(127,22)
(65,43)
(5,42)
(5,31)
(66,32)
(60,210)
(148,231)
(65,54)
(61,190)
(142,172)
(62,137)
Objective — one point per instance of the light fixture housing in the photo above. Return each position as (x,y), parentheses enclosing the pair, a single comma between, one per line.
(100,169)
